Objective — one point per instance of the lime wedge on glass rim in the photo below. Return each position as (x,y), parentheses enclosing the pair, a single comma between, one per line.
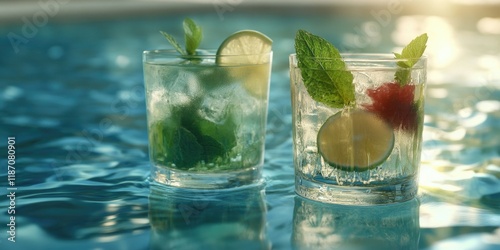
(247,47)
(355,140)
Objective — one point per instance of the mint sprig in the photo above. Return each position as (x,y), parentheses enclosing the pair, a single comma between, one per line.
(323,71)
(173,42)
(192,36)
(409,57)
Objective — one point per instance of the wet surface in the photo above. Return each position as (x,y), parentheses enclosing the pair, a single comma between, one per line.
(73,98)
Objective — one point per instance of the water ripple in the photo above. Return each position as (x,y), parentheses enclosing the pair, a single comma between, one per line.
(79,118)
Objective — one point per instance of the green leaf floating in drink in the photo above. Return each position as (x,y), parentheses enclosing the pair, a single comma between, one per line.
(352,139)
(190,139)
(186,150)
(216,139)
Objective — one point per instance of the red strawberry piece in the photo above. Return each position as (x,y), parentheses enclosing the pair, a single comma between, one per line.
(394,103)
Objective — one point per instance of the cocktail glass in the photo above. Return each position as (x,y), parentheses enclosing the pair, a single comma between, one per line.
(206,117)
(367,153)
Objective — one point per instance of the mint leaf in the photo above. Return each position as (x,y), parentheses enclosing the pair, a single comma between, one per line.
(186,151)
(211,147)
(173,42)
(192,35)
(409,57)
(403,76)
(323,71)
(223,133)
(216,139)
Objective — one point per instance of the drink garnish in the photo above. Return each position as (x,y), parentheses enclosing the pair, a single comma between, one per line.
(192,36)
(323,71)
(247,47)
(394,101)
(355,140)
(409,57)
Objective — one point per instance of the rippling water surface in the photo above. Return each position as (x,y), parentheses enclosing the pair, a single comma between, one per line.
(73,98)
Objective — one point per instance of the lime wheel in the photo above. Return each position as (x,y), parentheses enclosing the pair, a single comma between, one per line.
(355,140)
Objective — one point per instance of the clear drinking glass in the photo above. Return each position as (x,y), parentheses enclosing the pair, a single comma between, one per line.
(384,126)
(206,117)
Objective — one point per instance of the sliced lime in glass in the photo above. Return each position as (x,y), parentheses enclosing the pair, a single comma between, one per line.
(355,140)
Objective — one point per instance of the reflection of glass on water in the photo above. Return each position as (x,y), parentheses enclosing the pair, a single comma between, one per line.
(328,226)
(207,219)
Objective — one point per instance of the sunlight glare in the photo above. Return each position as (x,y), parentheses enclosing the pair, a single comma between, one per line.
(442,49)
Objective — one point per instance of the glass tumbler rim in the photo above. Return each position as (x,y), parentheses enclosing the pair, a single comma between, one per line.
(365,56)
(148,55)
(365,60)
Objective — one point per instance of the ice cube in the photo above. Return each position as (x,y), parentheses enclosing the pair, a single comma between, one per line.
(158,104)
(216,104)
(184,88)
(175,89)
(247,105)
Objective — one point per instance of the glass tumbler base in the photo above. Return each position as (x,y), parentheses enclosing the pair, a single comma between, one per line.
(221,180)
(378,194)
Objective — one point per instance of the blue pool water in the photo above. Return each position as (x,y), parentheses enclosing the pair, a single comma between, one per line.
(73,98)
